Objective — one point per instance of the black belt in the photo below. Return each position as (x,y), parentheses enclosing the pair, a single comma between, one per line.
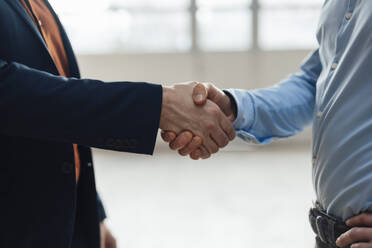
(326,227)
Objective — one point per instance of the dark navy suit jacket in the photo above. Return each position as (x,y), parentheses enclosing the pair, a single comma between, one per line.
(42,114)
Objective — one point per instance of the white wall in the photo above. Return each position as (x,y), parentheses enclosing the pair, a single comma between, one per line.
(245,70)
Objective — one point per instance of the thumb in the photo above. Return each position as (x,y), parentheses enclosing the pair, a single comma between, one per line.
(200,94)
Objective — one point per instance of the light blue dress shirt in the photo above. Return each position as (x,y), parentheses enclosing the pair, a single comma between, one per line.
(333,91)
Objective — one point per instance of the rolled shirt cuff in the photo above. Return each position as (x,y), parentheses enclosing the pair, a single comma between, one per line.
(244,106)
(245,117)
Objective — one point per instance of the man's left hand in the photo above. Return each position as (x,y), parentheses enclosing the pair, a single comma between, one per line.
(360,235)
(107,239)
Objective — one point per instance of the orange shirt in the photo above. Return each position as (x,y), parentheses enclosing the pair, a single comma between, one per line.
(49,29)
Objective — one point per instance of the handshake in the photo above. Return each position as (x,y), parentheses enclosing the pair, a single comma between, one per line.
(196,119)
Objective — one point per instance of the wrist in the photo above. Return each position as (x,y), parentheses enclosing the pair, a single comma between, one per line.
(232,105)
(166,102)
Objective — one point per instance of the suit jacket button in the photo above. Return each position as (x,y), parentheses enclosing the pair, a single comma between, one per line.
(67,168)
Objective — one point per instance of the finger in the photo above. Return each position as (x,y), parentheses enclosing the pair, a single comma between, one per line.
(200,94)
(204,153)
(219,97)
(361,245)
(219,137)
(356,234)
(168,136)
(181,141)
(227,127)
(213,92)
(364,219)
(210,145)
(192,146)
(196,155)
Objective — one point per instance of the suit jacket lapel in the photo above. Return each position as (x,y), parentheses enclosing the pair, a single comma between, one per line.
(74,68)
(17,6)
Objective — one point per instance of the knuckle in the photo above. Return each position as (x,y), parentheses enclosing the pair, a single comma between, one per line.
(164,136)
(182,153)
(225,143)
(178,143)
(184,140)
(361,219)
(187,134)
(354,233)
(364,218)
(173,146)
(194,156)
(215,112)
(210,125)
(197,141)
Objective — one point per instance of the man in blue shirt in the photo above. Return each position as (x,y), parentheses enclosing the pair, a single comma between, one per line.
(333,92)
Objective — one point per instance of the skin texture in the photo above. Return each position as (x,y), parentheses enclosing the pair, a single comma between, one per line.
(212,127)
(107,239)
(186,142)
(360,235)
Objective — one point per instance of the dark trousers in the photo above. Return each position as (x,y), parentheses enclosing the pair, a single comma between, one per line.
(327,228)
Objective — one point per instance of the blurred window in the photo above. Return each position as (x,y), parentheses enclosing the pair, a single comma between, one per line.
(223,25)
(146,26)
(112,26)
(288,24)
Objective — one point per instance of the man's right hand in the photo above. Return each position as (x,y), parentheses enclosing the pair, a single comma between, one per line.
(186,143)
(180,113)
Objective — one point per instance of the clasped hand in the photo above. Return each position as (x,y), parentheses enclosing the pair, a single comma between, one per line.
(196,119)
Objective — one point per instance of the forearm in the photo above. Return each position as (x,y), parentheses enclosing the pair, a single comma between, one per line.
(279,111)
(119,116)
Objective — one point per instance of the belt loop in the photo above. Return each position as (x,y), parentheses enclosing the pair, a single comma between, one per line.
(320,229)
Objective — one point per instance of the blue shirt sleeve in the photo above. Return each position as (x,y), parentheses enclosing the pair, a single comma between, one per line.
(279,111)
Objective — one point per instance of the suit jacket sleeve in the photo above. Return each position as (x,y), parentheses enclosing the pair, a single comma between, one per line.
(120,116)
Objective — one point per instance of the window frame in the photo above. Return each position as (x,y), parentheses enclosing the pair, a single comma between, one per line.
(254,8)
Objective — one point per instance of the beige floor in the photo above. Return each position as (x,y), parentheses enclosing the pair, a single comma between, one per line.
(240,198)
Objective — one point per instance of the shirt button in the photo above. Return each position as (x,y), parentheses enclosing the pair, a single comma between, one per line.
(90,164)
(348,16)
(243,116)
(319,114)
(334,66)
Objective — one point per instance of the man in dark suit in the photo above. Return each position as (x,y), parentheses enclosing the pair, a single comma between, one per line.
(51,118)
